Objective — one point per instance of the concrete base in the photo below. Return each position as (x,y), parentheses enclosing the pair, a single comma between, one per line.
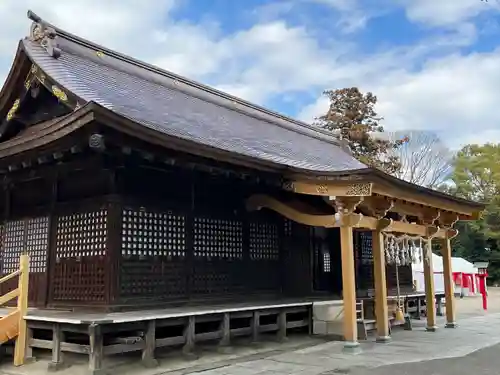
(57,366)
(225,349)
(97,372)
(451,325)
(189,355)
(351,347)
(431,329)
(150,363)
(383,339)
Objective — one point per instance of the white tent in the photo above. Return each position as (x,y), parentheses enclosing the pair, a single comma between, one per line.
(465,267)
(418,274)
(457,265)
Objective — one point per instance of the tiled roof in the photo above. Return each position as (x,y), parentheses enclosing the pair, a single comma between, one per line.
(173,105)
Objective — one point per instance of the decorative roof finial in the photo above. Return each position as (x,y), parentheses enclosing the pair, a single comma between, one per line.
(42,33)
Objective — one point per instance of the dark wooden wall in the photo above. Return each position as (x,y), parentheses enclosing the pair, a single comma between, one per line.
(117,235)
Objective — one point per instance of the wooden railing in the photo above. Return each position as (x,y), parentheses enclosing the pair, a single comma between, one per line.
(13,325)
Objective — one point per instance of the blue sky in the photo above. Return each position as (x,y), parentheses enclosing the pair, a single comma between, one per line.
(434,64)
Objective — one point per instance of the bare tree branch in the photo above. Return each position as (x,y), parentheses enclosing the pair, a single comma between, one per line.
(424,159)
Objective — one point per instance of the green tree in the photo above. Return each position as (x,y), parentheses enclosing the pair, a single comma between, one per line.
(476,176)
(352,115)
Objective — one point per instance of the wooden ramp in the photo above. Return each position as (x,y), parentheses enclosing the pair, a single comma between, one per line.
(13,325)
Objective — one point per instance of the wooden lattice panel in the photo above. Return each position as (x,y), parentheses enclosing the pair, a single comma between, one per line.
(153,234)
(288,227)
(80,268)
(13,245)
(155,279)
(81,235)
(327,262)
(366,251)
(81,281)
(37,241)
(218,277)
(264,241)
(218,238)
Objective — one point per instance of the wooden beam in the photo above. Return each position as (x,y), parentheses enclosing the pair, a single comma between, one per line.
(329,189)
(296,213)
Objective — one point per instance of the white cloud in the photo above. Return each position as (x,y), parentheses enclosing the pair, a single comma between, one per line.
(447,12)
(453,94)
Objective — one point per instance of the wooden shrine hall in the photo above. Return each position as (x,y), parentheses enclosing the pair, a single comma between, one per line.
(132,188)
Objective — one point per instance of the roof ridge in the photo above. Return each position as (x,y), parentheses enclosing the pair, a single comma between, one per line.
(273,117)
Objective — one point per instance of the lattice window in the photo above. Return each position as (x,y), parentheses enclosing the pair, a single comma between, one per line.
(288,228)
(327,262)
(365,242)
(37,242)
(153,234)
(13,245)
(264,241)
(81,235)
(218,238)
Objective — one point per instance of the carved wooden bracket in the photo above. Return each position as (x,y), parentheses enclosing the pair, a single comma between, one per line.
(451,233)
(347,205)
(384,225)
(378,206)
(432,231)
(429,217)
(448,219)
(352,220)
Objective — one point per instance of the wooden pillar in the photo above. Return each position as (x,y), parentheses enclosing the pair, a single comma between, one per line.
(57,337)
(349,289)
(448,283)
(429,287)
(96,350)
(148,352)
(381,310)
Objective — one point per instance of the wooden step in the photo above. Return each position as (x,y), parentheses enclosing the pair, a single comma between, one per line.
(9,327)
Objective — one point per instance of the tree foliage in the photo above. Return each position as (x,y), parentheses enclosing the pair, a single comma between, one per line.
(424,159)
(476,176)
(352,115)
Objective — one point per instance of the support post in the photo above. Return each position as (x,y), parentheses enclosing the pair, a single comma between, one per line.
(56,363)
(189,337)
(429,288)
(349,289)
(22,306)
(281,325)
(381,309)
(148,353)
(225,330)
(255,326)
(448,283)
(96,350)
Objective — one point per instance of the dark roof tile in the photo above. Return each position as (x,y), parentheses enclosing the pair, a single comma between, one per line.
(187,110)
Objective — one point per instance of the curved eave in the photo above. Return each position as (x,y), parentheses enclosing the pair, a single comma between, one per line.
(94,112)
(14,82)
(46,135)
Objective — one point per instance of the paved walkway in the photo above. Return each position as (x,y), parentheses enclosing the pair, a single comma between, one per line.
(474,333)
